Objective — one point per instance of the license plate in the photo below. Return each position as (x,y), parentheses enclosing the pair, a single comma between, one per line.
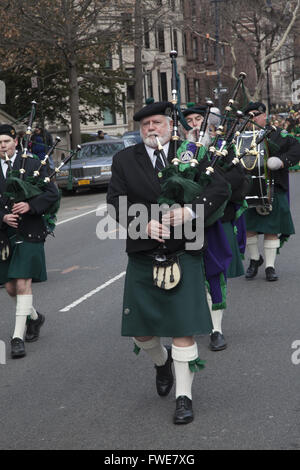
(106,169)
(83,182)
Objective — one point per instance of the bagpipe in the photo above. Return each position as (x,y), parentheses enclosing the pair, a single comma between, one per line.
(22,186)
(183,180)
(254,160)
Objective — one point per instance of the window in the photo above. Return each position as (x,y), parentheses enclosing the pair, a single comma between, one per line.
(149,92)
(195,48)
(164,86)
(108,60)
(146,34)
(109,117)
(161,39)
(127,29)
(197,89)
(184,41)
(175,40)
(205,50)
(172,4)
(124,108)
(187,89)
(193,8)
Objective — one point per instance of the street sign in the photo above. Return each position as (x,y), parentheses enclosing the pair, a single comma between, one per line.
(34,82)
(2,92)
(221,90)
(209,73)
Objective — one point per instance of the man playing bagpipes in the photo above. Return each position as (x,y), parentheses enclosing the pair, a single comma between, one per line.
(273,219)
(22,236)
(230,230)
(164,294)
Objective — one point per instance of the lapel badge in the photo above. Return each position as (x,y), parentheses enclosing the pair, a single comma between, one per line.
(186,156)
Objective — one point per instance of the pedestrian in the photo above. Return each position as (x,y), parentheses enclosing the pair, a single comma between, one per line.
(22,237)
(41,142)
(150,311)
(277,225)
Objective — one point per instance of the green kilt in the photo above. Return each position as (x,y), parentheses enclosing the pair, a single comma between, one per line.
(151,311)
(279,221)
(236,267)
(26,262)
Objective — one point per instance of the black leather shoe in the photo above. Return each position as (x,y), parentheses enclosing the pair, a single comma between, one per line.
(217,341)
(17,348)
(271,274)
(253,267)
(33,328)
(184,410)
(164,375)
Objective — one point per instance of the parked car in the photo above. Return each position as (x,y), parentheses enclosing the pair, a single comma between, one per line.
(133,135)
(91,168)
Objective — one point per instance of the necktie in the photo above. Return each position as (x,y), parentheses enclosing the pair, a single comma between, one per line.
(158,164)
(9,168)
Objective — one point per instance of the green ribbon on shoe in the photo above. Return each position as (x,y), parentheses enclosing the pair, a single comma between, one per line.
(196,365)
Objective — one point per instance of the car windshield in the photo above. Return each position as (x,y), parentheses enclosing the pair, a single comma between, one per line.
(103,150)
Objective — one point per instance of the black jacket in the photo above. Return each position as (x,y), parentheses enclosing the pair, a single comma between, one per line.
(288,150)
(133,176)
(31,224)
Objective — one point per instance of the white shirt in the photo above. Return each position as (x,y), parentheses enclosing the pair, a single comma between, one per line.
(4,165)
(153,157)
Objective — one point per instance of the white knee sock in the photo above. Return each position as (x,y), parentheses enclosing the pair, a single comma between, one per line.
(184,377)
(270,250)
(252,246)
(24,305)
(216,315)
(155,349)
(33,313)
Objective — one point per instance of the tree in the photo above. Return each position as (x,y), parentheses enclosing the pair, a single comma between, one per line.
(73,39)
(263,29)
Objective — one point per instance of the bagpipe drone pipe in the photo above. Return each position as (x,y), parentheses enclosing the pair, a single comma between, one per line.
(184,180)
(22,186)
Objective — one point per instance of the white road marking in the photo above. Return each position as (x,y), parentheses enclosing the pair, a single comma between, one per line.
(93,292)
(81,215)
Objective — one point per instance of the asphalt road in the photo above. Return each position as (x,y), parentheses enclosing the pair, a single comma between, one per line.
(81,387)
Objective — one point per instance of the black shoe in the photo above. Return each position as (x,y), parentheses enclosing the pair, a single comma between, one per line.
(217,341)
(33,328)
(184,410)
(164,375)
(253,267)
(271,274)
(17,348)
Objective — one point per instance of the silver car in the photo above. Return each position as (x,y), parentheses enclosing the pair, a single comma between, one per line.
(91,168)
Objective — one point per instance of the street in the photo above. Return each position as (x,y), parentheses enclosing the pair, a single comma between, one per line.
(82,387)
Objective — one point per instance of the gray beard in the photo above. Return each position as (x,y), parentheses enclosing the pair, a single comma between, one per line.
(151,140)
(193,136)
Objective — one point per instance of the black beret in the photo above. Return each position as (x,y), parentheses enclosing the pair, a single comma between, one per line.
(160,107)
(6,129)
(194,110)
(255,106)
